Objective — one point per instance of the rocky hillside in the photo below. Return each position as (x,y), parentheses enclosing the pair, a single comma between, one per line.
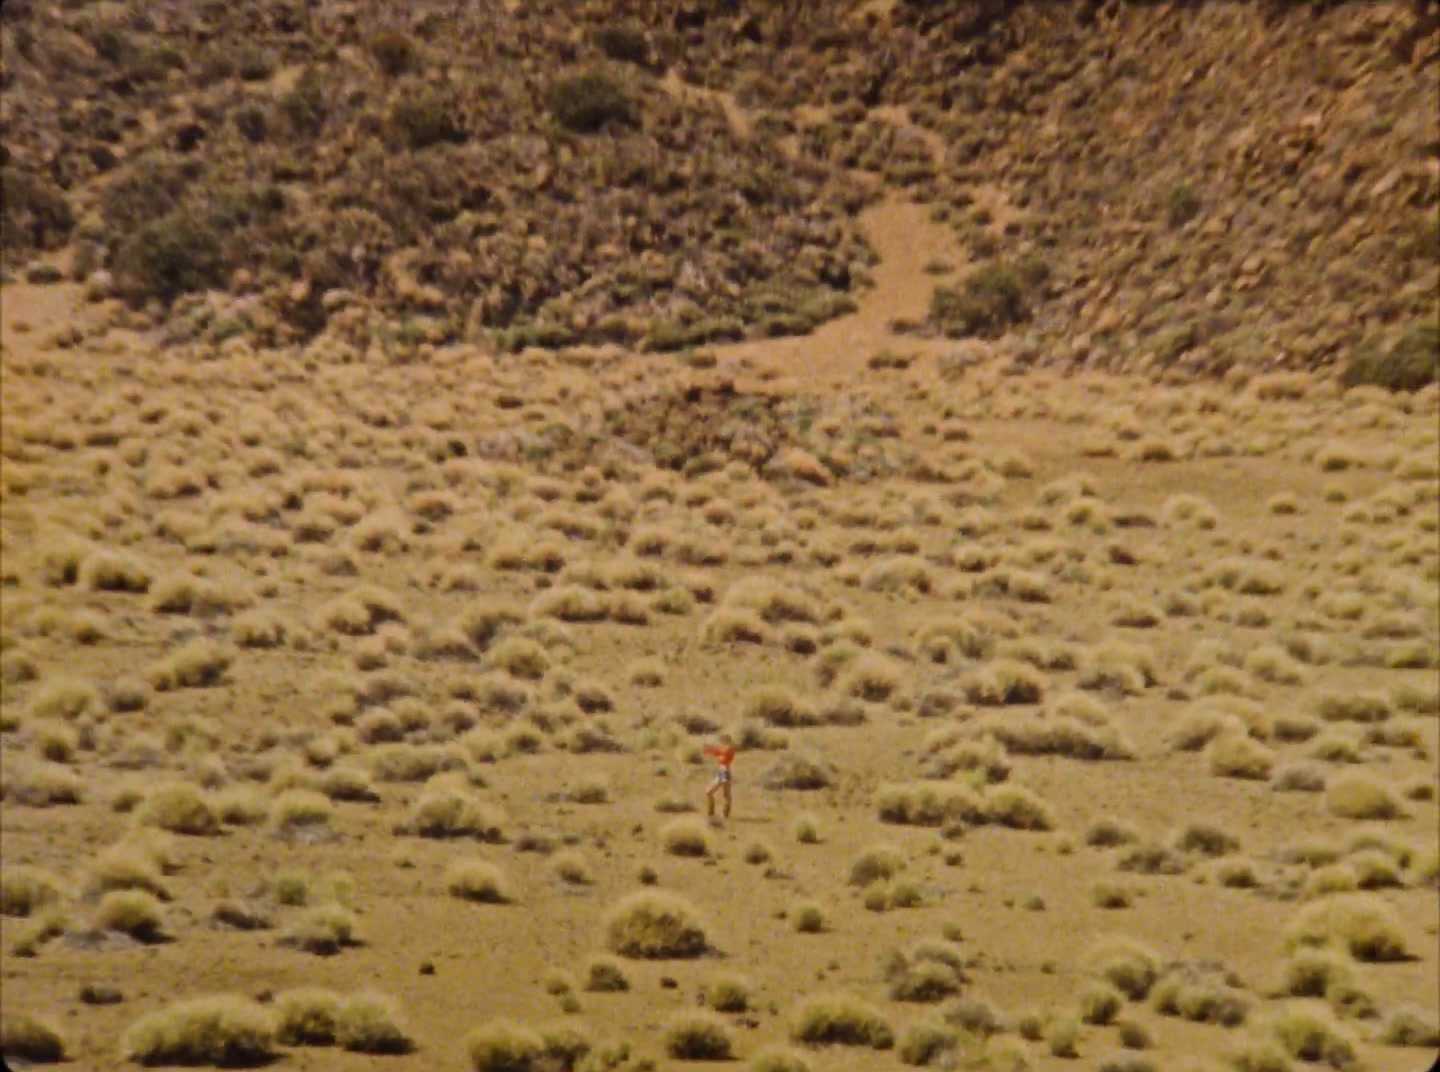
(1179,186)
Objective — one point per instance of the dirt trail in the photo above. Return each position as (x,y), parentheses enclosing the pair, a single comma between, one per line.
(906,239)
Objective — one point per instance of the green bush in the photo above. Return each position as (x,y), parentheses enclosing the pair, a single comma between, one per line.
(425,117)
(394,52)
(1412,363)
(306,106)
(624,44)
(35,212)
(173,255)
(991,300)
(1183,205)
(586,103)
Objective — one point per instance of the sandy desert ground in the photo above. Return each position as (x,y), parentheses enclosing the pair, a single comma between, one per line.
(1084,721)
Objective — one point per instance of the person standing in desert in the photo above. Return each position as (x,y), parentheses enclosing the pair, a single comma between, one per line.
(724,754)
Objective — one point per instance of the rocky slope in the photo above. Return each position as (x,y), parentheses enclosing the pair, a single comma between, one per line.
(1180,186)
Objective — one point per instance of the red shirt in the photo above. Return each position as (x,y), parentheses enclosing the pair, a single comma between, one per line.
(724,753)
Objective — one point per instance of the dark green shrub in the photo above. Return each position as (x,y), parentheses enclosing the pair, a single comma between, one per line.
(394,52)
(1412,363)
(991,300)
(148,189)
(306,106)
(425,117)
(624,44)
(35,212)
(250,120)
(255,65)
(173,255)
(588,102)
(1182,205)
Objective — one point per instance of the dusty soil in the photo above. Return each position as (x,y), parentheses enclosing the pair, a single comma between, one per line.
(928,485)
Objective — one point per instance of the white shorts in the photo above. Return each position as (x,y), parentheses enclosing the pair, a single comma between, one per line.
(722,776)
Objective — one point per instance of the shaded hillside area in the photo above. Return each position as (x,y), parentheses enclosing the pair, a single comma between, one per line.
(1174,186)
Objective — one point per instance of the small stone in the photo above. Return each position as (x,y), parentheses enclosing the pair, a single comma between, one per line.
(427,968)
(43,274)
(101,994)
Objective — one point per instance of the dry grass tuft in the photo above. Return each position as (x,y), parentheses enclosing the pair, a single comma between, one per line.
(1360,795)
(1126,963)
(698,1036)
(221,1030)
(1361,924)
(686,836)
(181,808)
(655,925)
(840,1020)
(24,890)
(477,880)
(27,1038)
(1236,755)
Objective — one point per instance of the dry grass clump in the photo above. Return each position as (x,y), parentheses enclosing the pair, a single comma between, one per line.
(808,917)
(840,1020)
(655,925)
(301,814)
(27,1038)
(323,929)
(1354,707)
(41,784)
(779,1059)
(1301,777)
(698,1036)
(1109,832)
(307,1016)
(927,971)
(1017,807)
(879,863)
(605,975)
(929,803)
(370,1023)
(1126,668)
(776,705)
(445,810)
(65,698)
(126,867)
(23,890)
(870,676)
(477,880)
(113,571)
(132,912)
(1360,795)
(807,829)
(504,1046)
(223,1030)
(1206,839)
(196,664)
(1058,736)
(1128,964)
(685,836)
(1410,1025)
(1004,682)
(1310,1033)
(946,639)
(1236,755)
(1200,993)
(1361,924)
(571,868)
(181,808)
(735,625)
(798,770)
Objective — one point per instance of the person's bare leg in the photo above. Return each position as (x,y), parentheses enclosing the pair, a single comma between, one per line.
(710,800)
(727,800)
